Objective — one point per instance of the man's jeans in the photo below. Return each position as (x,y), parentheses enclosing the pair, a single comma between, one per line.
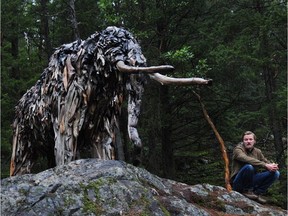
(247,179)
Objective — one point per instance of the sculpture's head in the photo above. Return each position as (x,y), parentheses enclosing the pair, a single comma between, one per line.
(123,50)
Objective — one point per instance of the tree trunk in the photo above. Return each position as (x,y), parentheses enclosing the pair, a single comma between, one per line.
(15,52)
(270,87)
(271,96)
(167,144)
(45,42)
(274,120)
(168,163)
(73,19)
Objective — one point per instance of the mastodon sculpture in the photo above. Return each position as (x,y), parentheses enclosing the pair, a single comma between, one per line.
(77,100)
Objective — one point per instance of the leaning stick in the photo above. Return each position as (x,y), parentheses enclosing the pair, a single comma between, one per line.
(221,142)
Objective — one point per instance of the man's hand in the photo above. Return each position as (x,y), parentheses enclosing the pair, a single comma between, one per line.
(272,167)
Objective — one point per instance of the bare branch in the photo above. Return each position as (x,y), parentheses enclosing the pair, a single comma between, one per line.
(220,140)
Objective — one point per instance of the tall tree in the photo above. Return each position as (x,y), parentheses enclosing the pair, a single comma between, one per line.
(73,19)
(44,30)
(269,53)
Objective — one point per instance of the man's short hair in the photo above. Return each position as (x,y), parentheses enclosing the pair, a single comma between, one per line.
(249,133)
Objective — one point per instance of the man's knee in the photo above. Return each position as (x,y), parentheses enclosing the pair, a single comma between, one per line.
(276,175)
(248,167)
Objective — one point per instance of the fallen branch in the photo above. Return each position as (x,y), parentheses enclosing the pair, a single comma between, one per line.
(221,142)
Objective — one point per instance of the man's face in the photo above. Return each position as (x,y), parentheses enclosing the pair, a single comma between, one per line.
(249,141)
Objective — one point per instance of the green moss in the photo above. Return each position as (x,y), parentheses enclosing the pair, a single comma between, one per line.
(92,206)
(59,212)
(164,210)
(111,181)
(68,201)
(144,202)
(23,191)
(220,205)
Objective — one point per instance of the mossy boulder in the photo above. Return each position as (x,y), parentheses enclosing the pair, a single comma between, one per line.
(96,187)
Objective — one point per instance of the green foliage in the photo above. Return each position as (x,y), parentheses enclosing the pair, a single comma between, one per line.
(110,9)
(202,68)
(277,193)
(180,56)
(183,58)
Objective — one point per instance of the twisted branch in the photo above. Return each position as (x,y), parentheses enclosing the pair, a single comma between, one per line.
(221,142)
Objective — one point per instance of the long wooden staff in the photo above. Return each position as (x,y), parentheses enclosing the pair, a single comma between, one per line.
(221,142)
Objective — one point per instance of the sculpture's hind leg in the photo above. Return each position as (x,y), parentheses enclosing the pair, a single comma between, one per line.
(23,157)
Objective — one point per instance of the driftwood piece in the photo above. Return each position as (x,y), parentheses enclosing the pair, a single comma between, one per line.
(221,142)
(77,101)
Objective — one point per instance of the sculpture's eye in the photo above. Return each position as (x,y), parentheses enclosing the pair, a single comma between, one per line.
(132,61)
(132,54)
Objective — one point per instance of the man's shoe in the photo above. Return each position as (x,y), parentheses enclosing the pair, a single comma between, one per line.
(250,195)
(261,200)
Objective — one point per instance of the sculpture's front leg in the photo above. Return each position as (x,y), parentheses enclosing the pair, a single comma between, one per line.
(135,89)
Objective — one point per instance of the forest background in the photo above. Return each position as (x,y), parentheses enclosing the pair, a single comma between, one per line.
(240,44)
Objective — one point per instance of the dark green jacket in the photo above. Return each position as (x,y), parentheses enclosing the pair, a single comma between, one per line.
(241,156)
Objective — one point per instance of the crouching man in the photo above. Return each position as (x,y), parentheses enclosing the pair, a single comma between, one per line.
(246,162)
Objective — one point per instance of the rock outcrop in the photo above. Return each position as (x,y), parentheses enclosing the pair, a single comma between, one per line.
(96,187)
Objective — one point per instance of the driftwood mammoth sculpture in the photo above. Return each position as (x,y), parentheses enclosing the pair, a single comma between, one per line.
(77,100)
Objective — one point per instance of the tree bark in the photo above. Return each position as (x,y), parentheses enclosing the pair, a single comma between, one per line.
(271,95)
(274,120)
(73,19)
(45,42)
(167,144)
(168,164)
(15,53)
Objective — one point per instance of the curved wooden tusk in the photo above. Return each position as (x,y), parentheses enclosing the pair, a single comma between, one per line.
(122,67)
(164,80)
